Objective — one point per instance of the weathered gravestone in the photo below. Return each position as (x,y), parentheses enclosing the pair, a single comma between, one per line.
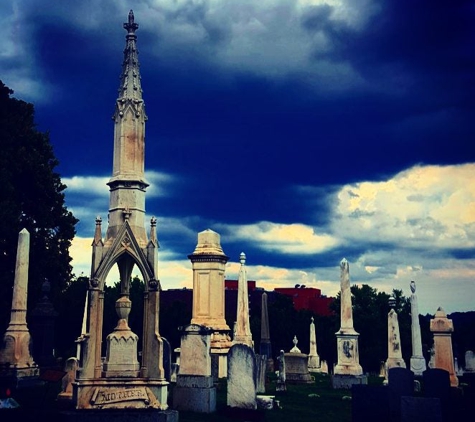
(281,386)
(469,362)
(194,390)
(261,361)
(242,374)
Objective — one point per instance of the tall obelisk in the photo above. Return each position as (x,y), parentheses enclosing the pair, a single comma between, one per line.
(348,367)
(16,361)
(313,358)
(243,326)
(418,362)
(265,347)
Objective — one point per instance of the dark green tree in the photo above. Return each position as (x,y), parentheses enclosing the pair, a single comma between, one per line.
(32,198)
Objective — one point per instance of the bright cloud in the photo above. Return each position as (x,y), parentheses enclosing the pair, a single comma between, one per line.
(420,206)
(284,238)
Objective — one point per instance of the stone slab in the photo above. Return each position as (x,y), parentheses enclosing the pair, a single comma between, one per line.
(347,381)
(191,381)
(200,400)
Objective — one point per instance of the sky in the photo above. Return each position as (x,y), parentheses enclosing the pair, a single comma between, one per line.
(302,131)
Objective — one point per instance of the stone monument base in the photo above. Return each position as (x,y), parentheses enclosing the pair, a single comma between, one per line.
(296,369)
(194,393)
(20,377)
(120,393)
(346,381)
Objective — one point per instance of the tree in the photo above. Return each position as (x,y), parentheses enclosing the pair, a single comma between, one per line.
(32,198)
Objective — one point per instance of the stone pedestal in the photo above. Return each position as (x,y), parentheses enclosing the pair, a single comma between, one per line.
(194,390)
(121,357)
(209,262)
(442,327)
(296,368)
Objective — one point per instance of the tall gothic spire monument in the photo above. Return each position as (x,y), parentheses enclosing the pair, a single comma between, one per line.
(121,381)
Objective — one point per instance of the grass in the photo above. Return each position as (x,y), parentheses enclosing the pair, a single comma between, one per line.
(315,402)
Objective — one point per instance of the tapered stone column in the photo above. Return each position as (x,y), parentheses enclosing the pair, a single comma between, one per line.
(16,361)
(394,340)
(348,370)
(418,362)
(313,358)
(442,327)
(243,326)
(265,347)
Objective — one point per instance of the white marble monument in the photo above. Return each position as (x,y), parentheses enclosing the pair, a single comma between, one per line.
(208,263)
(418,362)
(313,358)
(16,360)
(243,327)
(348,370)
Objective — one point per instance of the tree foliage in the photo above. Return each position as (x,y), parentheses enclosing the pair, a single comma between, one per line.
(32,198)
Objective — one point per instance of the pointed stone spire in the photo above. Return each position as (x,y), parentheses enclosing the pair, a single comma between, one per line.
(243,326)
(347,337)
(418,362)
(313,358)
(127,185)
(130,87)
(15,354)
(345,303)
(98,232)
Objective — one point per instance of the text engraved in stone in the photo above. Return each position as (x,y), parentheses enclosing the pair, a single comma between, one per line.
(117,395)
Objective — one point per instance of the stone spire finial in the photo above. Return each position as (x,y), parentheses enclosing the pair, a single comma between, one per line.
(98,231)
(131,26)
(130,78)
(153,229)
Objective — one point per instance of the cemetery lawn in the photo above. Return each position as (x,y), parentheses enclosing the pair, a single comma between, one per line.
(316,402)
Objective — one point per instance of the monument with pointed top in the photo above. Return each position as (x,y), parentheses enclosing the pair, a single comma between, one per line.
(418,362)
(122,381)
(16,360)
(313,358)
(265,347)
(394,359)
(243,327)
(348,370)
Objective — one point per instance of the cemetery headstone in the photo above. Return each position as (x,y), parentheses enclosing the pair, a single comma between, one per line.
(242,375)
